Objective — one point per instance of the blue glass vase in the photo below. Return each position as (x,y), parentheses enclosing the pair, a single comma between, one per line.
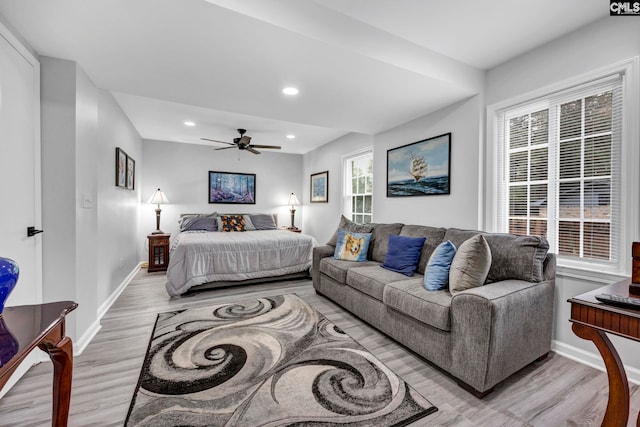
(9,272)
(9,345)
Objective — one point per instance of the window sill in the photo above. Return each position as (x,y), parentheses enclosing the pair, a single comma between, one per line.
(589,275)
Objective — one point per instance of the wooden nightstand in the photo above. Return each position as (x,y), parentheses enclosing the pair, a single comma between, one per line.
(158,252)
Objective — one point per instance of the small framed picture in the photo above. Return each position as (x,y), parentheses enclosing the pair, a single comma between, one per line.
(320,187)
(131,173)
(121,168)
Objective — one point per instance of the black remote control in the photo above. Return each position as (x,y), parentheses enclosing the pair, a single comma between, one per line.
(619,300)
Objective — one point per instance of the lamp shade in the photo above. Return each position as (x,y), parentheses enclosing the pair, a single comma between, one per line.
(158,198)
(293,200)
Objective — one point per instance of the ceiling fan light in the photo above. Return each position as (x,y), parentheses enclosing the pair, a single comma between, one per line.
(189,123)
(290,90)
(291,136)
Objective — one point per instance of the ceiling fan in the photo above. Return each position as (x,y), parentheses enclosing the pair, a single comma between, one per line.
(243,143)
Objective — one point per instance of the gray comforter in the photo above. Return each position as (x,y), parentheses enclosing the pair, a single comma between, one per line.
(200,257)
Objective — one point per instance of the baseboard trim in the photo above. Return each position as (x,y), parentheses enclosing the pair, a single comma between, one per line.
(591,359)
(115,294)
(33,358)
(81,343)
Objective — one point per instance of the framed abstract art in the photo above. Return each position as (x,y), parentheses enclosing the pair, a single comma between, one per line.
(232,187)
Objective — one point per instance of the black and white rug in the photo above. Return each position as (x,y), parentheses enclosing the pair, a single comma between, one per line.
(269,362)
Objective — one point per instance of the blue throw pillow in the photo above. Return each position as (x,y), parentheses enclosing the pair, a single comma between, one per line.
(352,246)
(436,277)
(403,254)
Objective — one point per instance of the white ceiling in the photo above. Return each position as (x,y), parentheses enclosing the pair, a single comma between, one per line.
(361,65)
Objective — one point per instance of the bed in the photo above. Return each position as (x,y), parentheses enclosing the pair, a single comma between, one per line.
(201,257)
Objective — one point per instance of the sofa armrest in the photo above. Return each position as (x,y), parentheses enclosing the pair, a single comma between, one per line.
(319,252)
(498,329)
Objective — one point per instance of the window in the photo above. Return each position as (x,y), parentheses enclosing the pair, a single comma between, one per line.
(358,187)
(559,160)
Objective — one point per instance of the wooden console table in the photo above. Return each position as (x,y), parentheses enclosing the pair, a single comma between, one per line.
(591,319)
(23,328)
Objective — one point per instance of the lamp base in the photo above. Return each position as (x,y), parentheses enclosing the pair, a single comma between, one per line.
(293,216)
(157,232)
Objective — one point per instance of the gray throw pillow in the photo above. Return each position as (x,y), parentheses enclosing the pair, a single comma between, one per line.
(248,224)
(470,265)
(263,222)
(514,257)
(380,240)
(348,225)
(193,223)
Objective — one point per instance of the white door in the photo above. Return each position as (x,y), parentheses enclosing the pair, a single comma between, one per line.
(20,203)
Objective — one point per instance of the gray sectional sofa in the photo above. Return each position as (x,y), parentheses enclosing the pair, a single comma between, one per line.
(480,336)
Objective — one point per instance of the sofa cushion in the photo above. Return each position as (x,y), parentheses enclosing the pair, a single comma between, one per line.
(411,298)
(372,280)
(517,257)
(513,256)
(403,254)
(352,246)
(437,275)
(470,265)
(337,269)
(380,240)
(434,236)
(348,225)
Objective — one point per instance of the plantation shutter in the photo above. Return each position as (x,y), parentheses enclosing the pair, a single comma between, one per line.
(559,160)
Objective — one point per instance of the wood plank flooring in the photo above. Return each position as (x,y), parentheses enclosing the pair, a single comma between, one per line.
(554,392)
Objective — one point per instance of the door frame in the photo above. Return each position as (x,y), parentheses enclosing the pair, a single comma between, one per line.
(32,59)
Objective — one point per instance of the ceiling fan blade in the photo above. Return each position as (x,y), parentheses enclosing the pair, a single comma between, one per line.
(215,140)
(223,148)
(244,140)
(252,150)
(277,147)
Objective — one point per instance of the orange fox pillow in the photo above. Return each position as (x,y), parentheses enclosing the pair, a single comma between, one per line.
(232,223)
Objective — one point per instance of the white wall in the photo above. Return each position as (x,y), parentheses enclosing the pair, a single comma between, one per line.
(58,109)
(321,219)
(458,209)
(90,225)
(601,44)
(86,236)
(118,224)
(181,171)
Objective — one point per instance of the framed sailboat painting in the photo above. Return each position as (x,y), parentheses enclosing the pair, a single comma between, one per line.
(422,168)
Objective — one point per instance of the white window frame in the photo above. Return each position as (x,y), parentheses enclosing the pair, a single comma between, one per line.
(346,180)
(630,152)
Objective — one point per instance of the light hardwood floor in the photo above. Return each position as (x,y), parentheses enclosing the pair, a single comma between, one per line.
(554,392)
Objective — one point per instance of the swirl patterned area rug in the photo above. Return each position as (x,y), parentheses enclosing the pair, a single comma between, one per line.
(269,362)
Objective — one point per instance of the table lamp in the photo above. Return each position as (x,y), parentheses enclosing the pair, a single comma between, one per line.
(293,202)
(158,198)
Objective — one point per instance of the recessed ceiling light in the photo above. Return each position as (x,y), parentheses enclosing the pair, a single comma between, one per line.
(291,136)
(290,91)
(189,123)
